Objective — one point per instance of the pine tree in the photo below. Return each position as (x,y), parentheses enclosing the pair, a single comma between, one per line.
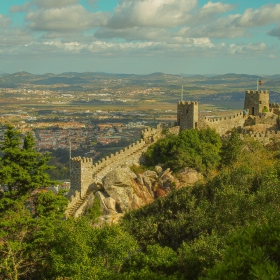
(22,168)
(27,218)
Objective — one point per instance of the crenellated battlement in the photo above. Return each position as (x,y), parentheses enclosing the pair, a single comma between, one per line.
(84,171)
(187,114)
(256,102)
(264,137)
(150,135)
(227,118)
(274,105)
(187,103)
(87,175)
(223,124)
(257,92)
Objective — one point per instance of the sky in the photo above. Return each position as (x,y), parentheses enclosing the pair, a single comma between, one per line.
(140,36)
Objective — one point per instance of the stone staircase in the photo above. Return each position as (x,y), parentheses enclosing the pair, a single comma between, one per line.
(101,172)
(72,210)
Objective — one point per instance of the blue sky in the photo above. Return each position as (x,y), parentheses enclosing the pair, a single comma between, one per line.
(140,36)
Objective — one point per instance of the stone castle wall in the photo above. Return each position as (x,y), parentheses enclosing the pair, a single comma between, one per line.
(256,101)
(85,175)
(265,137)
(223,124)
(187,115)
(275,108)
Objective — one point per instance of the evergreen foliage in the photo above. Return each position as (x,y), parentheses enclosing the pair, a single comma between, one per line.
(194,148)
(22,168)
(226,228)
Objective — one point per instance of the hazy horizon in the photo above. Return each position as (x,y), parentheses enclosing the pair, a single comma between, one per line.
(145,74)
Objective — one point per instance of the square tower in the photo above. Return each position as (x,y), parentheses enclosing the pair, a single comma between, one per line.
(256,101)
(187,115)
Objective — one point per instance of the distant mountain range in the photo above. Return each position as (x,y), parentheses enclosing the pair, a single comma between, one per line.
(3,73)
(79,80)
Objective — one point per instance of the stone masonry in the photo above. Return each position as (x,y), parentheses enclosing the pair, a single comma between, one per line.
(256,102)
(187,115)
(86,176)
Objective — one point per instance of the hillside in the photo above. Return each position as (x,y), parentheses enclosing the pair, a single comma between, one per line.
(224,227)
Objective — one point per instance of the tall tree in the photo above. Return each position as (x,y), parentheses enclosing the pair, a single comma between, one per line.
(22,168)
(231,148)
(26,217)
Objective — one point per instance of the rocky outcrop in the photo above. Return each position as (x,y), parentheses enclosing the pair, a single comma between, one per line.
(122,190)
(189,176)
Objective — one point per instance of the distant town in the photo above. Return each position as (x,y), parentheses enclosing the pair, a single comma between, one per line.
(95,114)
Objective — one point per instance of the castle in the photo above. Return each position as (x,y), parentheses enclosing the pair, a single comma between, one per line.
(86,177)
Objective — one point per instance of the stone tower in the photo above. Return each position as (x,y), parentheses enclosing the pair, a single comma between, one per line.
(187,115)
(256,101)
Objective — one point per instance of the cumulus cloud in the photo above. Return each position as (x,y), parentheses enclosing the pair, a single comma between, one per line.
(48,4)
(219,28)
(69,18)
(247,49)
(13,40)
(4,21)
(134,33)
(275,32)
(211,8)
(146,27)
(44,4)
(20,9)
(153,13)
(149,35)
(267,14)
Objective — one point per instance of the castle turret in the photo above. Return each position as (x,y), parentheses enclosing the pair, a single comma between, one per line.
(256,101)
(81,175)
(187,115)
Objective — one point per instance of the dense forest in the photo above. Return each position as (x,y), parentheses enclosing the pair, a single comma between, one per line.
(224,227)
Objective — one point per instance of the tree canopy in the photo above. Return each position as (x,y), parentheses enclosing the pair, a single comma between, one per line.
(224,228)
(194,148)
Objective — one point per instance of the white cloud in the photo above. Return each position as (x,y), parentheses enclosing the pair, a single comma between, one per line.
(20,9)
(265,15)
(4,21)
(247,49)
(215,8)
(48,4)
(220,28)
(44,4)
(153,13)
(65,19)
(146,28)
(13,40)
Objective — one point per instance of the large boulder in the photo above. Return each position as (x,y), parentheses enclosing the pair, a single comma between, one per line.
(189,176)
(128,194)
(107,204)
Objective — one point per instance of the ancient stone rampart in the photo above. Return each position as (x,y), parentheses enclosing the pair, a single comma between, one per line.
(81,169)
(150,134)
(264,137)
(275,108)
(174,130)
(223,124)
(187,114)
(85,175)
(256,101)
